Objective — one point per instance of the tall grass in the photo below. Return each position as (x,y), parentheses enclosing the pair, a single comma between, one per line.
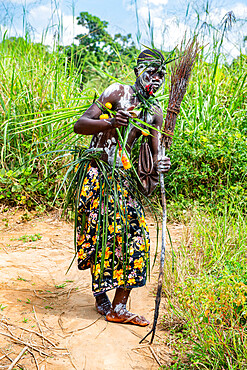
(40,100)
(206,289)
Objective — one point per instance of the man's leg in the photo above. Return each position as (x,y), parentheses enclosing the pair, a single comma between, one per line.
(102,304)
(119,312)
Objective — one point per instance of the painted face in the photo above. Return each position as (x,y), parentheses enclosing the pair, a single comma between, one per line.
(151,77)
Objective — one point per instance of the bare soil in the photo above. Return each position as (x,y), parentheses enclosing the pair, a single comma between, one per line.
(53,314)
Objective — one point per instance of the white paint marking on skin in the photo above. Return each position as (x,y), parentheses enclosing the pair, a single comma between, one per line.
(125,99)
(110,149)
(110,89)
(120,308)
(99,135)
(149,118)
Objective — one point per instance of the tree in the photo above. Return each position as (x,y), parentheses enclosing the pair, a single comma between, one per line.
(98,48)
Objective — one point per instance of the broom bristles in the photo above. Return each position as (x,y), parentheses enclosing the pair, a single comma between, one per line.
(180,75)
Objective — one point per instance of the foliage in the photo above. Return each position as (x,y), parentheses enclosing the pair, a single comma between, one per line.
(97,49)
(207,291)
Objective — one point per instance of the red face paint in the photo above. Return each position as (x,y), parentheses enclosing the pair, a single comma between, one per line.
(149,89)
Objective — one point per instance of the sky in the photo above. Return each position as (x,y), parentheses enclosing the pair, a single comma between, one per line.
(169,20)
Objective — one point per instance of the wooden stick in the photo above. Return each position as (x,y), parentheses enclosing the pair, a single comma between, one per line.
(41,332)
(155,356)
(30,331)
(18,358)
(162,259)
(36,362)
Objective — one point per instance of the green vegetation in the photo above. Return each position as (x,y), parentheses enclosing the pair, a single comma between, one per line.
(29,238)
(43,92)
(206,290)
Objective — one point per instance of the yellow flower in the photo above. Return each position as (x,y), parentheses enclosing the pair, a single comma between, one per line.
(142,221)
(119,240)
(108,105)
(82,254)
(84,191)
(96,186)
(111,228)
(95,203)
(132,251)
(139,263)
(96,270)
(103,116)
(131,281)
(142,247)
(107,253)
(114,228)
(118,274)
(106,264)
(81,239)
(145,133)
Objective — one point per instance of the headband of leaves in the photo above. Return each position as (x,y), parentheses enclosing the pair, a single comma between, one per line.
(156,60)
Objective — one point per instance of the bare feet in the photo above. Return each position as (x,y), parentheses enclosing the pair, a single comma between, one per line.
(121,315)
(102,304)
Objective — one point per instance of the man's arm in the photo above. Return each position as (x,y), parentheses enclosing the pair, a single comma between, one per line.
(90,124)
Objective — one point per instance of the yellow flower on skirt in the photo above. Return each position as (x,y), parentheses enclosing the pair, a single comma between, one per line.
(142,221)
(138,264)
(96,269)
(96,186)
(82,254)
(114,228)
(95,203)
(117,274)
(80,240)
(131,281)
(106,263)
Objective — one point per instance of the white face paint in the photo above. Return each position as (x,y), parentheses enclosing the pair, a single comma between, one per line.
(150,78)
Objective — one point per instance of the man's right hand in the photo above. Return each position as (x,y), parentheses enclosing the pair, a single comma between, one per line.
(121,119)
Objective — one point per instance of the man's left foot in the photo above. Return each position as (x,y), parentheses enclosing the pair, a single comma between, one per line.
(102,304)
(120,314)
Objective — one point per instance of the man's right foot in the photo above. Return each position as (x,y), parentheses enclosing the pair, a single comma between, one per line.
(103,304)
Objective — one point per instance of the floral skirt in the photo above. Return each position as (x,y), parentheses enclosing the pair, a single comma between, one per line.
(114,241)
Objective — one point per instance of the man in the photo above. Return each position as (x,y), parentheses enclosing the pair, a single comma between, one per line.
(134,241)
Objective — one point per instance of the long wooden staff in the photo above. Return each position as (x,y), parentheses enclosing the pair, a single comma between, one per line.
(180,75)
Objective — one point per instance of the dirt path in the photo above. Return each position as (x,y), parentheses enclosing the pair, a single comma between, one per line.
(57,310)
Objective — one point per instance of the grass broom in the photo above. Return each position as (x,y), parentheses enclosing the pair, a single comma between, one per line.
(180,75)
